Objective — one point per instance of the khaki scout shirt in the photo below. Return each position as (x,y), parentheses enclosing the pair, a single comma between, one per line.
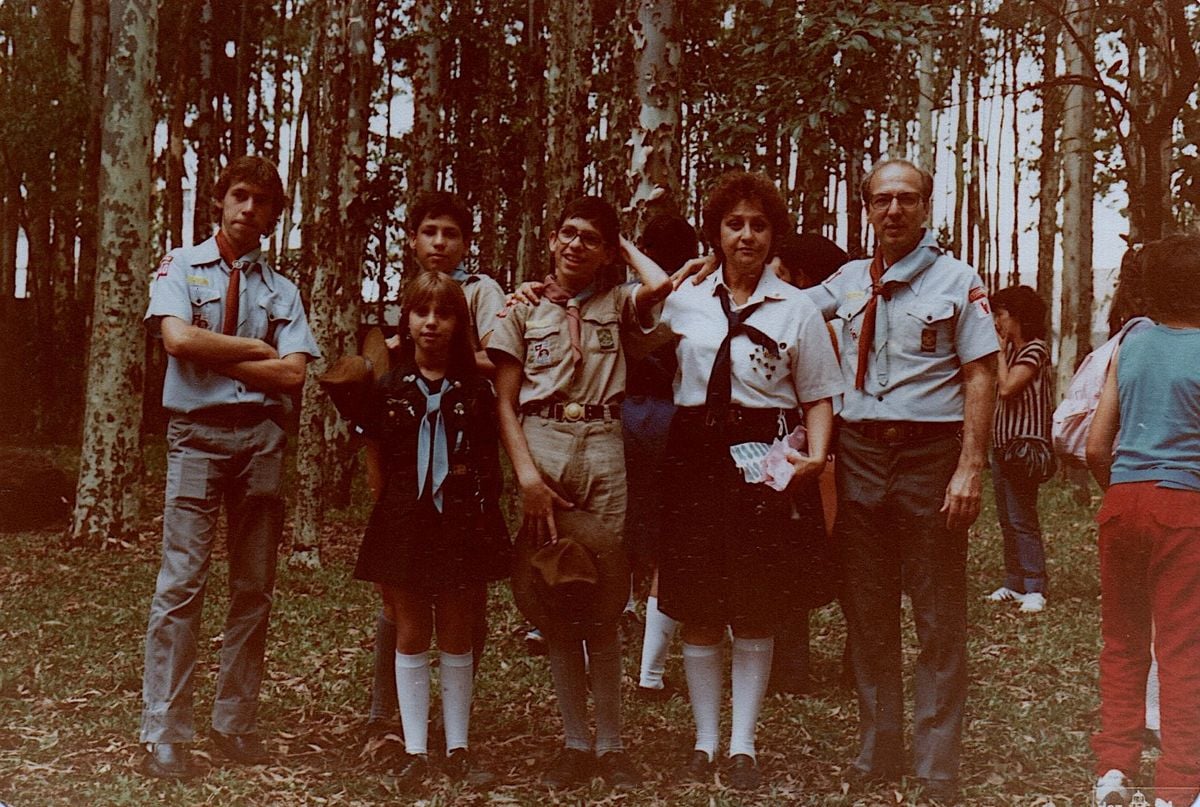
(485,299)
(539,338)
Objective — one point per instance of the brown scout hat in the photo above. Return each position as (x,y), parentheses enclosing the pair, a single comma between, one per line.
(568,588)
(344,381)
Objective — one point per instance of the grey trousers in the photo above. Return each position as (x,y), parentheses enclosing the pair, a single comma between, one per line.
(895,539)
(207,464)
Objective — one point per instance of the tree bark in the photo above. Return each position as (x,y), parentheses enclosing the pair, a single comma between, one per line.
(106,496)
(655,153)
(424,150)
(208,141)
(334,249)
(531,249)
(569,69)
(1049,165)
(1075,323)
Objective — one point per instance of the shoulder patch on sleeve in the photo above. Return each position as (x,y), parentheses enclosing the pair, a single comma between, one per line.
(978,299)
(163,266)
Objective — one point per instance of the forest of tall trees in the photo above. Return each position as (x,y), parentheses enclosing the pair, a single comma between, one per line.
(118,115)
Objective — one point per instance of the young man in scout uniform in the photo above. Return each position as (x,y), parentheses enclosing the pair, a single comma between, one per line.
(440,229)
(238,342)
(917,337)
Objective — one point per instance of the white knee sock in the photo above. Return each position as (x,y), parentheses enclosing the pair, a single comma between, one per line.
(656,641)
(456,680)
(702,666)
(412,692)
(751,669)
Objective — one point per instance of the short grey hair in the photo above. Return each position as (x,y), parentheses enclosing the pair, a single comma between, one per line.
(926,177)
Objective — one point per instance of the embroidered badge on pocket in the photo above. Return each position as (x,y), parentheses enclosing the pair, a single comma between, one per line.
(929,340)
(608,342)
(539,354)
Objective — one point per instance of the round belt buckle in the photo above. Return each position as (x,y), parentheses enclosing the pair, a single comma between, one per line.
(573,411)
(890,434)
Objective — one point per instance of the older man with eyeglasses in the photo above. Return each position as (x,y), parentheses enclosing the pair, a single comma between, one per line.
(918,340)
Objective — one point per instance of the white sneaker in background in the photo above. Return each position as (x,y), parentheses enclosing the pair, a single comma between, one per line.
(1004,594)
(1112,789)
(1033,602)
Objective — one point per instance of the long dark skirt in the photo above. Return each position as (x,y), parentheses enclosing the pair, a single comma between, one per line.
(732,553)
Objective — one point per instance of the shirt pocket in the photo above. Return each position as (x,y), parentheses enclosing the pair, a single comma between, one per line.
(206,307)
(601,332)
(928,327)
(543,347)
(267,317)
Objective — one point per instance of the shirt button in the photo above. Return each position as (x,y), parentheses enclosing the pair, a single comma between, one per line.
(879,397)
(241,388)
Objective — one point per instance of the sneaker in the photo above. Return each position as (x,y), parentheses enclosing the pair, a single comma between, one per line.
(1111,789)
(1033,602)
(1004,594)
(617,771)
(535,643)
(743,772)
(461,767)
(571,767)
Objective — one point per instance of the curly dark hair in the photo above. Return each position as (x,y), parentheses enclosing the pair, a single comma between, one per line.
(1171,278)
(433,204)
(1024,304)
(669,240)
(603,216)
(740,186)
(254,170)
(1129,301)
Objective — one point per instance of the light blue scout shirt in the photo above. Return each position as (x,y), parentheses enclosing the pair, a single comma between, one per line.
(936,320)
(802,370)
(190,284)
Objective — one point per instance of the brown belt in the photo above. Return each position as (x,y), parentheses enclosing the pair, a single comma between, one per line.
(898,432)
(573,412)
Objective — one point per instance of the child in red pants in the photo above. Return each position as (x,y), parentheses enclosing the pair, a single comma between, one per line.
(1150,533)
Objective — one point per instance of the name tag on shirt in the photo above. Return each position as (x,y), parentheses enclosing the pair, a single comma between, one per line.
(197,280)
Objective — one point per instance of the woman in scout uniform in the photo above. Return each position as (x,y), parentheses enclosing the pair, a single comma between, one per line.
(560,377)
(755,360)
(436,535)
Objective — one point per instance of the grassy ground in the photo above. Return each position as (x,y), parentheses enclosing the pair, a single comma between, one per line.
(71,632)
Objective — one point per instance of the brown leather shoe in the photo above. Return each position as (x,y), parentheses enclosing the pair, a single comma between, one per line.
(244,749)
(167,761)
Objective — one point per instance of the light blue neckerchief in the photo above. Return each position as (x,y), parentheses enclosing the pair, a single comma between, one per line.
(431,440)
(460,274)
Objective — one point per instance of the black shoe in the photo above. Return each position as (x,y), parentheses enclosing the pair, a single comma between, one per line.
(411,770)
(698,770)
(617,771)
(943,792)
(461,767)
(167,761)
(661,694)
(743,772)
(571,767)
(244,749)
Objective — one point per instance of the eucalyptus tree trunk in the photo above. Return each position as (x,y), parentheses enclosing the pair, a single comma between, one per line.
(926,70)
(531,248)
(655,163)
(208,141)
(1049,164)
(569,70)
(1075,323)
(334,248)
(106,497)
(1163,72)
(424,158)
